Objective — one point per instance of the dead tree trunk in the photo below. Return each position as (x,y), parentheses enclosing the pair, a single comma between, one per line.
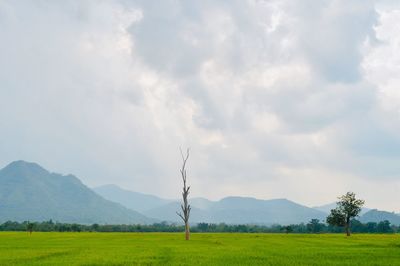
(185,207)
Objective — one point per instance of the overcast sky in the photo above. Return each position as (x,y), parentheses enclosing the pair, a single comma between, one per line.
(275,98)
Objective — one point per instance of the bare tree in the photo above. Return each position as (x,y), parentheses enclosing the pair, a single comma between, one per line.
(185,205)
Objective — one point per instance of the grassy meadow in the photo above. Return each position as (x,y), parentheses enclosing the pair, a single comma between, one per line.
(19,248)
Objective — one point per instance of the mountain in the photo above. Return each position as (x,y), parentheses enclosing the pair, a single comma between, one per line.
(168,213)
(231,210)
(133,200)
(145,202)
(240,210)
(328,207)
(29,192)
(378,216)
(201,203)
(251,210)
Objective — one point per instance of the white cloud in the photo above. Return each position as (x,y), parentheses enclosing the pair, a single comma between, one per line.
(275,98)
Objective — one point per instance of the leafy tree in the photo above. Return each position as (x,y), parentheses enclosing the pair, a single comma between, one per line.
(202,227)
(347,208)
(314,226)
(384,227)
(357,226)
(29,227)
(371,227)
(95,227)
(287,229)
(75,228)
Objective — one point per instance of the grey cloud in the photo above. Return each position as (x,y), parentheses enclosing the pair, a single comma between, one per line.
(333,38)
(268,94)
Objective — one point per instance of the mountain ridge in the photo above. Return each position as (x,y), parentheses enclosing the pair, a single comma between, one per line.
(328,207)
(133,200)
(232,210)
(204,210)
(30,192)
(377,216)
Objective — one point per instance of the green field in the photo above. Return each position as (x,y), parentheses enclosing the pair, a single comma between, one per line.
(19,248)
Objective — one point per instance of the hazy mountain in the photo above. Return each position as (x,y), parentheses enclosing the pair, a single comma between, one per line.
(145,202)
(240,210)
(251,210)
(201,203)
(29,192)
(132,200)
(232,210)
(168,213)
(328,207)
(378,216)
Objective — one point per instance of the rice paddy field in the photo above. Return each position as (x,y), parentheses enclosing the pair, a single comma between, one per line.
(20,248)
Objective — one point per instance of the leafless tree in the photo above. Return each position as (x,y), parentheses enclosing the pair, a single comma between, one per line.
(185,205)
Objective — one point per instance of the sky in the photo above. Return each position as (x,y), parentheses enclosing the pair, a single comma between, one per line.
(275,98)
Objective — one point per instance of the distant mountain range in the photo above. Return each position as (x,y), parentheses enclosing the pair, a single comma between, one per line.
(29,192)
(132,200)
(232,210)
(377,216)
(328,207)
(241,210)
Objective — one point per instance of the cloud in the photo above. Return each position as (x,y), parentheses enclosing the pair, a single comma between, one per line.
(273,97)
(331,36)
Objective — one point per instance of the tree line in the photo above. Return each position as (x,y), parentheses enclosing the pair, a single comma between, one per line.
(313,226)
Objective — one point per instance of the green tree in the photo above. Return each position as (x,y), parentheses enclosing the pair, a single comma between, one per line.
(95,227)
(287,229)
(384,227)
(203,227)
(314,226)
(29,227)
(347,208)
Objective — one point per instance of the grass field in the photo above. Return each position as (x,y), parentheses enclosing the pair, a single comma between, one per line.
(203,249)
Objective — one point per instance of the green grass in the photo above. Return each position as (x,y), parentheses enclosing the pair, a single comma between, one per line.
(18,248)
